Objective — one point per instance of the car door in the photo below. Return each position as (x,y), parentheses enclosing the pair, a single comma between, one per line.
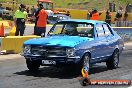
(100,42)
(110,39)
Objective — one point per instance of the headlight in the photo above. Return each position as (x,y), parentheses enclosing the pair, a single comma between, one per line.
(70,52)
(27,49)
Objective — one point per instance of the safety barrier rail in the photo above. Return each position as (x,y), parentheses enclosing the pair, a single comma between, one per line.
(123,23)
(124,32)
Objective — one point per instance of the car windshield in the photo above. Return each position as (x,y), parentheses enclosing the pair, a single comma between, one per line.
(73,29)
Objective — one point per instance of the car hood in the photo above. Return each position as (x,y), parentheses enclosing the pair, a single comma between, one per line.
(69,41)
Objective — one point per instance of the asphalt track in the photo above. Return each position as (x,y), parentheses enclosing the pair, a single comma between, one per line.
(14,74)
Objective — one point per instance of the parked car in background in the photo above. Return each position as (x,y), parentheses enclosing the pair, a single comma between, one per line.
(52,19)
(6,14)
(1,11)
(75,42)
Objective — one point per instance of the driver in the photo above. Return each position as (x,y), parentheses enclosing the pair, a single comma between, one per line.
(71,29)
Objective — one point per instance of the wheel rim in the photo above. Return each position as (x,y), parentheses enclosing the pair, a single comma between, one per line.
(116,59)
(86,61)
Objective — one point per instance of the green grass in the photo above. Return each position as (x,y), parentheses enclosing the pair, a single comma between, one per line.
(76,4)
(88,4)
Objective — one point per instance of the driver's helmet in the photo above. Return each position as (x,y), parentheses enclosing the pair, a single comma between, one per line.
(71,27)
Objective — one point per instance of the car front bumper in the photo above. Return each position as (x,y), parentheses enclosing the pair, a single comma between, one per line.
(60,60)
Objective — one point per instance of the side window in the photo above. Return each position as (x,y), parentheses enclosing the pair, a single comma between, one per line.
(100,30)
(107,30)
(57,29)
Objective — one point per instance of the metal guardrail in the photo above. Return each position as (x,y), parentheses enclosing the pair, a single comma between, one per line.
(123,23)
(124,32)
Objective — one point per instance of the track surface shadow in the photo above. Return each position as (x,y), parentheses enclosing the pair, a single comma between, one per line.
(61,73)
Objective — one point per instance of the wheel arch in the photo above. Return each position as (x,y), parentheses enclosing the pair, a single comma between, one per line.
(117,48)
(87,52)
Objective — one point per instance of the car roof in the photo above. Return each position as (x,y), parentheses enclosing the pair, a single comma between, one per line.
(58,15)
(83,20)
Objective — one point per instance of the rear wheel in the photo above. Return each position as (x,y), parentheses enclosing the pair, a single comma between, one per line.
(33,65)
(113,62)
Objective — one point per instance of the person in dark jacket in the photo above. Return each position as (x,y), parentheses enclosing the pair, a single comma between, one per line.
(118,18)
(108,17)
(118,15)
(125,16)
(68,13)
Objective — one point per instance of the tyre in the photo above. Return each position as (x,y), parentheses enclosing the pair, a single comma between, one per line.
(113,62)
(33,65)
(85,62)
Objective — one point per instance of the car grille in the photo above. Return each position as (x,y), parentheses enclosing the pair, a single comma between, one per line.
(48,51)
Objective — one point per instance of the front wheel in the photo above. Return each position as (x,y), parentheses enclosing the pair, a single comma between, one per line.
(113,62)
(84,63)
(32,65)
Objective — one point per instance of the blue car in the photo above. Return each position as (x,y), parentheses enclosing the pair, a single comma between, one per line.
(75,42)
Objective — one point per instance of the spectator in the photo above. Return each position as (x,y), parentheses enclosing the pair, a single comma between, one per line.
(125,16)
(121,8)
(33,11)
(95,15)
(20,17)
(41,21)
(112,6)
(89,14)
(108,17)
(118,16)
(27,9)
(68,14)
(129,7)
(126,23)
(1,6)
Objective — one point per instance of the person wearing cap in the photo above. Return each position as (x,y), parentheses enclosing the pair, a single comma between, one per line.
(20,17)
(41,21)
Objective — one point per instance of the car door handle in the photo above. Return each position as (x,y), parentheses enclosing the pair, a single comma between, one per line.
(107,40)
(93,48)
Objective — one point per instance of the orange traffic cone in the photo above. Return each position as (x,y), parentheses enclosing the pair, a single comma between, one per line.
(85,80)
(84,73)
(2,31)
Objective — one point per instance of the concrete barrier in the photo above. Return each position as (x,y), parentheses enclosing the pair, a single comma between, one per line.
(14,43)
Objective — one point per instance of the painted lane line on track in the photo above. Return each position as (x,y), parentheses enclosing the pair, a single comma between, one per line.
(130,87)
(34,25)
(9,57)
